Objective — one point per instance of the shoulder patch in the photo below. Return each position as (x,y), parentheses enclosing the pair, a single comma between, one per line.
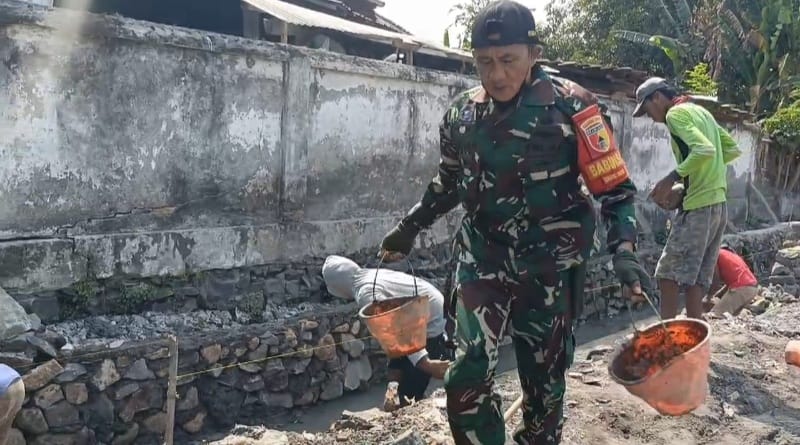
(467,114)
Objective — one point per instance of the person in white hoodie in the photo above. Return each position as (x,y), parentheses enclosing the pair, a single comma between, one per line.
(347,280)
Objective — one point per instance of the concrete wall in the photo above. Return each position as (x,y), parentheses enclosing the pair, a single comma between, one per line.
(131,148)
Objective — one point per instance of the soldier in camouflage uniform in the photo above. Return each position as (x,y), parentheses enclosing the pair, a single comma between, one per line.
(509,156)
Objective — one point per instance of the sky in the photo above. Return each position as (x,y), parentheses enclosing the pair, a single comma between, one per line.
(429,18)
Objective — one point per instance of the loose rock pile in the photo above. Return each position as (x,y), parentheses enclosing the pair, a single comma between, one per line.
(23,339)
(781,287)
(155,324)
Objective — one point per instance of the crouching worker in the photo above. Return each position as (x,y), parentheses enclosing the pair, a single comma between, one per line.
(12,394)
(734,283)
(347,280)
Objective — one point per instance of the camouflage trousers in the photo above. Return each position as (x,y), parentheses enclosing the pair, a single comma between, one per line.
(536,313)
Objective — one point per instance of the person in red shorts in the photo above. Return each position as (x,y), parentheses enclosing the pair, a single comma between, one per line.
(735,283)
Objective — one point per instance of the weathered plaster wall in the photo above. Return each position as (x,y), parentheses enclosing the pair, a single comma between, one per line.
(137,149)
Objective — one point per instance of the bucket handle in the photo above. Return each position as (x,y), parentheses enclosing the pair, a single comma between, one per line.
(652,306)
(378,268)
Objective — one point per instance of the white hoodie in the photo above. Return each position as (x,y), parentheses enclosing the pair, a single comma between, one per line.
(347,280)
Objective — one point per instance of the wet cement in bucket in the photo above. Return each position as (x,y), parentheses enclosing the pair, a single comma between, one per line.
(398,324)
(653,349)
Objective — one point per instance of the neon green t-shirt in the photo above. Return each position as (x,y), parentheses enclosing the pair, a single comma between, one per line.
(702,151)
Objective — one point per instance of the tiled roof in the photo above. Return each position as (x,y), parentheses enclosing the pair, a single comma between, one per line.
(622,81)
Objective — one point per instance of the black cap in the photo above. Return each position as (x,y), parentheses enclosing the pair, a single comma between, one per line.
(504,23)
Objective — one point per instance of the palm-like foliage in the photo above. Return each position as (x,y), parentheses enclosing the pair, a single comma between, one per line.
(681,48)
(764,48)
(675,49)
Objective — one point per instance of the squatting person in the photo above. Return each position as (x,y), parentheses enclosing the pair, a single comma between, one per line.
(347,280)
(12,394)
(734,285)
(512,150)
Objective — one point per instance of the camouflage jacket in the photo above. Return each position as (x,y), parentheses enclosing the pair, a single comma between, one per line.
(515,172)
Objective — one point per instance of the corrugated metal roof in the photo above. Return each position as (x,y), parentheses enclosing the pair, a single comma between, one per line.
(297,15)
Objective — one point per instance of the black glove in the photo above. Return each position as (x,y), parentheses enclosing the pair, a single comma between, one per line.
(400,239)
(629,271)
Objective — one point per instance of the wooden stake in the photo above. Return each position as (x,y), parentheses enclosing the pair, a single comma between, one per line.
(172,391)
(285,33)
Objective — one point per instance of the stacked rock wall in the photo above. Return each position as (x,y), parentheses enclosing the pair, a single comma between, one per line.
(115,393)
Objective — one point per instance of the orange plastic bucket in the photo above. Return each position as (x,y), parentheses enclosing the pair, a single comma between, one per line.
(667,369)
(793,353)
(399,324)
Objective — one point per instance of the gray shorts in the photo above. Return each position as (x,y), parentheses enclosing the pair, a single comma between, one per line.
(690,256)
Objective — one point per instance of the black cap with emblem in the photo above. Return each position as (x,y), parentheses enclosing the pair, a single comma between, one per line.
(504,23)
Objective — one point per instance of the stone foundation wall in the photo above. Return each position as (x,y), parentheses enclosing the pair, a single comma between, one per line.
(262,294)
(116,393)
(264,373)
(252,294)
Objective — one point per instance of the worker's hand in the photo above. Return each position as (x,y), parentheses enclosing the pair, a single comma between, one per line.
(673,199)
(630,273)
(397,243)
(661,192)
(434,368)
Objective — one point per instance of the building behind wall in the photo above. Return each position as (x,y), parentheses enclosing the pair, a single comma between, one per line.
(241,18)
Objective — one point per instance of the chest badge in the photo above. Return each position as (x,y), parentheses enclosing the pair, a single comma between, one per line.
(467,115)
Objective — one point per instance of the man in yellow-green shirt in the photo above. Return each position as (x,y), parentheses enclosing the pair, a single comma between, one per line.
(702,149)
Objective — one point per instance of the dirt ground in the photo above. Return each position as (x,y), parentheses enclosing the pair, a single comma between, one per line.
(754,399)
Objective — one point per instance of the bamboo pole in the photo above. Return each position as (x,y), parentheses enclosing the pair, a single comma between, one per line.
(285,33)
(172,390)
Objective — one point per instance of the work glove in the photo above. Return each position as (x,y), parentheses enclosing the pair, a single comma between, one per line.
(631,274)
(398,240)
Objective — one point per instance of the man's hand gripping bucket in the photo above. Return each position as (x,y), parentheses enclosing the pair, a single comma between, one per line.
(666,364)
(398,324)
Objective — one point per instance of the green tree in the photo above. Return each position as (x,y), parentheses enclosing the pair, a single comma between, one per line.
(465,13)
(698,81)
(584,31)
(685,43)
(784,125)
(447,37)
